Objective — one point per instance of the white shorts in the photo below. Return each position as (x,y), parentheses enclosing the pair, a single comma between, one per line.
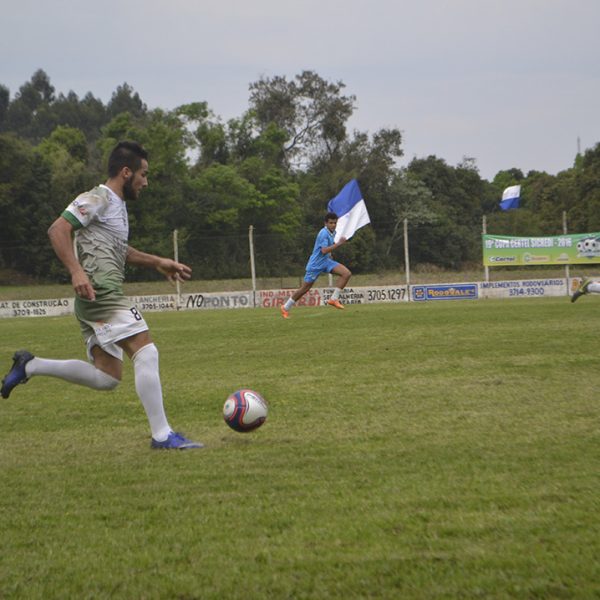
(120,324)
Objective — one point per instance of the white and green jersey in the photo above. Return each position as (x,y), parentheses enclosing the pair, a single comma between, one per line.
(99,218)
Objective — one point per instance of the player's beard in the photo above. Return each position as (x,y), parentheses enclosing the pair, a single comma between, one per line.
(128,191)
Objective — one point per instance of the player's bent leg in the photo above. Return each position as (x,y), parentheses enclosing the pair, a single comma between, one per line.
(344,275)
(25,366)
(76,371)
(107,363)
(145,358)
(136,342)
(586,285)
(149,389)
(302,290)
(287,306)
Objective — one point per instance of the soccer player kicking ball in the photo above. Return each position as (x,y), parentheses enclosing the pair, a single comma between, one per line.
(320,261)
(586,286)
(109,323)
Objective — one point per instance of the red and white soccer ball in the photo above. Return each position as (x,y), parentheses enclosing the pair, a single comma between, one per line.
(245,410)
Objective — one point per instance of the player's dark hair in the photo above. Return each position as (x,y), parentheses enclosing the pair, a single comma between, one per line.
(331,215)
(126,154)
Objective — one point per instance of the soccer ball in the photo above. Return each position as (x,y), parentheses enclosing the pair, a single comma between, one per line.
(245,410)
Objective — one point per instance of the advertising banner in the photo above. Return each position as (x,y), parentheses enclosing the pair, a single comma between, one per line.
(568,249)
(277,298)
(57,307)
(369,295)
(157,303)
(216,300)
(452,291)
(529,288)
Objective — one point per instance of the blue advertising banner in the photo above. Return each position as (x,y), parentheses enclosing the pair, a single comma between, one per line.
(459,291)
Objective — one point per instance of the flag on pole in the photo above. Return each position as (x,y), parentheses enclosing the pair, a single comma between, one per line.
(351,210)
(511,197)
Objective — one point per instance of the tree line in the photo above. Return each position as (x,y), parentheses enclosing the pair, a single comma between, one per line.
(274,167)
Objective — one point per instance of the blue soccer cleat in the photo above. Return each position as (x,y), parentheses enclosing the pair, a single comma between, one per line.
(175,441)
(17,373)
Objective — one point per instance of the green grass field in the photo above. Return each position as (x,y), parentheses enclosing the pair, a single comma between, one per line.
(434,450)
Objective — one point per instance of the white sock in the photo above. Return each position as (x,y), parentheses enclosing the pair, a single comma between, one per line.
(336,294)
(290,302)
(593,287)
(149,390)
(74,371)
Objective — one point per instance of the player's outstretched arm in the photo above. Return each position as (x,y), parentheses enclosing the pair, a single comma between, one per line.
(171,269)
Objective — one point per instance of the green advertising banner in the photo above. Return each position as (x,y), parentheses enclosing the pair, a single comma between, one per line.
(569,249)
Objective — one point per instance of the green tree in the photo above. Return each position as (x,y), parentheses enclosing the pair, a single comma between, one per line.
(25,212)
(30,107)
(126,100)
(65,154)
(312,111)
(410,199)
(219,207)
(586,213)
(88,114)
(206,136)
(4,103)
(454,239)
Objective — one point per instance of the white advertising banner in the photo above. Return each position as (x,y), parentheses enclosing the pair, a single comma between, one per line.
(57,307)
(369,295)
(217,300)
(524,288)
(155,303)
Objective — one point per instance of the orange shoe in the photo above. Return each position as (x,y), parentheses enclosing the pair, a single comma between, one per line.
(284,313)
(335,303)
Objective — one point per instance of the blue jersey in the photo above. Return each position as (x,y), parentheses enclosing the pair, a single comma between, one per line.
(319,261)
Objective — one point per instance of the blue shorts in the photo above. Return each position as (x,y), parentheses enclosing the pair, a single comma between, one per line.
(312,276)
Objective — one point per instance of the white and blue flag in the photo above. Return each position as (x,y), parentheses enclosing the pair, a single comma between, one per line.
(511,197)
(351,210)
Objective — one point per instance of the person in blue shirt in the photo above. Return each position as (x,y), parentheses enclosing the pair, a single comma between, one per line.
(320,261)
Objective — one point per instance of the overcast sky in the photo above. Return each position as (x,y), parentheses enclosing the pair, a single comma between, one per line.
(511,83)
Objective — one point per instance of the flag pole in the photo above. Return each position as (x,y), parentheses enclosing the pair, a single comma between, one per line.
(176,257)
(406,256)
(252,267)
(485,267)
(567,270)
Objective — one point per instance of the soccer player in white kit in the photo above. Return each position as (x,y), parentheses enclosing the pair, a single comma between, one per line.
(586,286)
(109,323)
